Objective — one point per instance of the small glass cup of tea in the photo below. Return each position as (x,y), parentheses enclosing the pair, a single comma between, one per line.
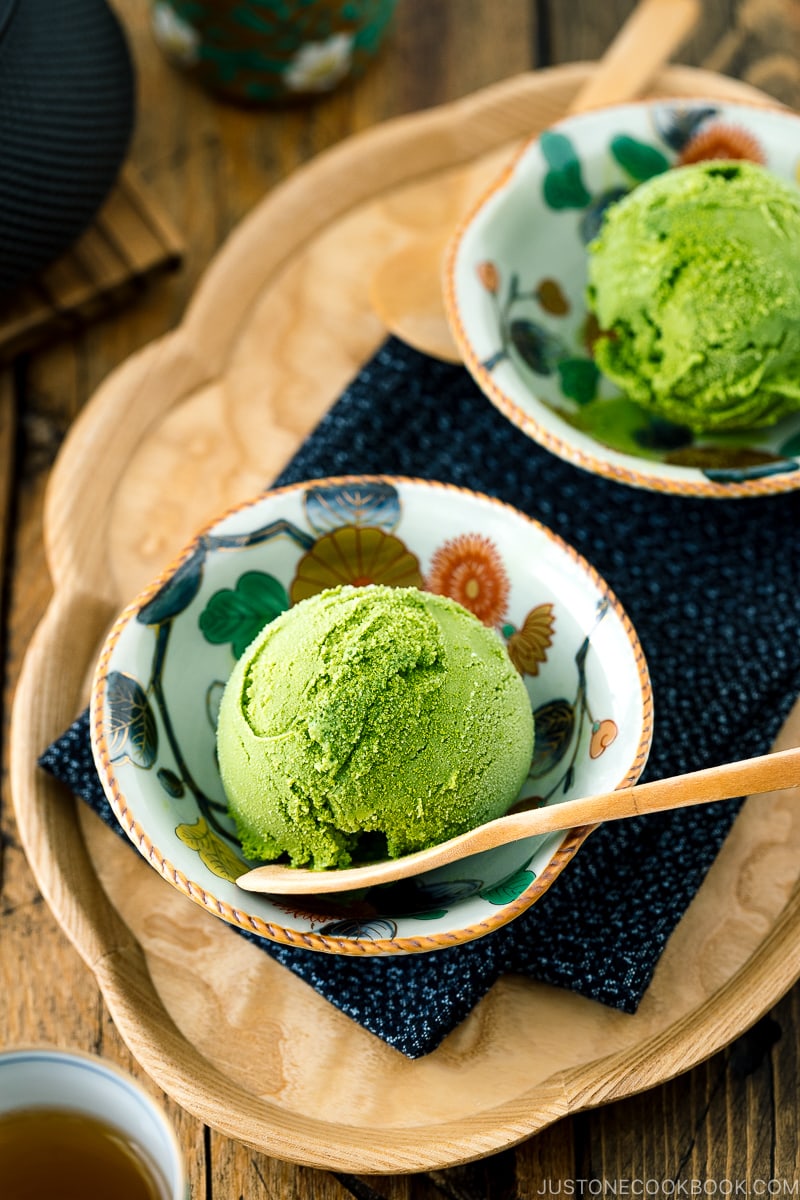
(73,1125)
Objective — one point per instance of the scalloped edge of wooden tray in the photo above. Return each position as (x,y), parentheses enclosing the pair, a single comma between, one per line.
(315,1088)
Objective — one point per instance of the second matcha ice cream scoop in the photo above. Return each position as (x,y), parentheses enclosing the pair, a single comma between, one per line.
(695,283)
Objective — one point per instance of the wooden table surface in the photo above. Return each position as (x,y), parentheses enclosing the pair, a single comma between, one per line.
(729,1127)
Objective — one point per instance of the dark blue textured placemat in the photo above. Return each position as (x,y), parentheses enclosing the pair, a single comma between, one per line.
(713,589)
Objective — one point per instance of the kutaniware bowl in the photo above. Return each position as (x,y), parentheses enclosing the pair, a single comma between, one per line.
(163,668)
(515,293)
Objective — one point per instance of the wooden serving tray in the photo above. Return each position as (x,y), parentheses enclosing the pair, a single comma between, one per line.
(199,421)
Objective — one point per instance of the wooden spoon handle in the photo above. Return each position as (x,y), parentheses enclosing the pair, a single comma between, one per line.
(647,40)
(768,772)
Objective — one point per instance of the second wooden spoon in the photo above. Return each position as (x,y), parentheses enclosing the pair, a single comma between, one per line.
(405,290)
(769,772)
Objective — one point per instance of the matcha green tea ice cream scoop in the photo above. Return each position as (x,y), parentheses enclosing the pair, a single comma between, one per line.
(695,282)
(372,721)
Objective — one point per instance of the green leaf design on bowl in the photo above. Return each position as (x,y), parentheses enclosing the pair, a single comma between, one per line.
(237,615)
(563,185)
(510,888)
(579,379)
(638,159)
(557,149)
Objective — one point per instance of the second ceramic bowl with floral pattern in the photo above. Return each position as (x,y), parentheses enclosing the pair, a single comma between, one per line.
(162,671)
(515,293)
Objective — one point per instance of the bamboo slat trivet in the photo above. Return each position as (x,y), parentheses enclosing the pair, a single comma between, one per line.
(129,240)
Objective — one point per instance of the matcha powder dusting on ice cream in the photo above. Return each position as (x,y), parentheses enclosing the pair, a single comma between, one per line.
(695,283)
(370,722)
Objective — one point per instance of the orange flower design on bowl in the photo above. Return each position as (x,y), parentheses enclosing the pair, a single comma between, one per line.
(358,556)
(722,141)
(469,570)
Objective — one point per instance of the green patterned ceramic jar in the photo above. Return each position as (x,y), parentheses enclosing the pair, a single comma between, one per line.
(271,50)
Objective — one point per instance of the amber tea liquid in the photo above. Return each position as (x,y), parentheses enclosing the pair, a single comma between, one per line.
(53,1154)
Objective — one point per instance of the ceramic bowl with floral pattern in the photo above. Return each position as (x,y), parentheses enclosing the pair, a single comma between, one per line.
(515,293)
(163,668)
(271,51)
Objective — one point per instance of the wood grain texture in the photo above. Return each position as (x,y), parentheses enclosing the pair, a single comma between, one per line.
(163,967)
(209,166)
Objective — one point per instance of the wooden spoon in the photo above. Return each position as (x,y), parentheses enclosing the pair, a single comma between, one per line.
(769,772)
(406,291)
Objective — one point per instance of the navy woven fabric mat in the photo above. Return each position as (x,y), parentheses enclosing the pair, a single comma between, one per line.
(713,589)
